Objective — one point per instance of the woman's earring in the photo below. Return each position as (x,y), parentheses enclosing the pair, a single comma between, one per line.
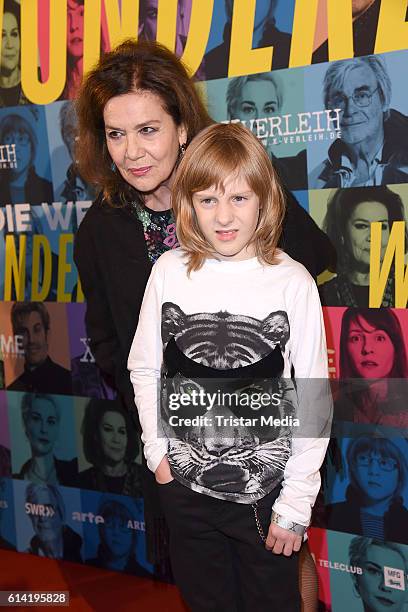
(182,149)
(113,167)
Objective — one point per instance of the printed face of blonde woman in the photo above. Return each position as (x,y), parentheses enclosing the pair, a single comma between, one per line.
(10,46)
(228,218)
(359,231)
(370,349)
(113,435)
(258,99)
(370,585)
(142,140)
(42,426)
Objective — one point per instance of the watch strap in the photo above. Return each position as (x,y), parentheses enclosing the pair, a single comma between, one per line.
(285,523)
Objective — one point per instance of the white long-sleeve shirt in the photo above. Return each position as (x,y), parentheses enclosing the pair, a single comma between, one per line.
(235,315)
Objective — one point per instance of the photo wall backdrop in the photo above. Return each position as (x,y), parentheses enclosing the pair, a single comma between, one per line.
(322,84)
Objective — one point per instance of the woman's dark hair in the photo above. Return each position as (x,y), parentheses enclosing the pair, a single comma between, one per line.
(94,412)
(133,66)
(379,446)
(340,208)
(11,6)
(379,318)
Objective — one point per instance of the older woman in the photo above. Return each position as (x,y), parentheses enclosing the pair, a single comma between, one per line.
(137,112)
(110,445)
(374,498)
(350,213)
(373,368)
(373,145)
(22,183)
(41,421)
(11,93)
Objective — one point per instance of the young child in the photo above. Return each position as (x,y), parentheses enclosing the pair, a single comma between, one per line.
(229,314)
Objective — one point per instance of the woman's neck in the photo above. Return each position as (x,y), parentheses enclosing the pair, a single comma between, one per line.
(10,80)
(75,78)
(20,179)
(43,466)
(160,199)
(360,278)
(116,470)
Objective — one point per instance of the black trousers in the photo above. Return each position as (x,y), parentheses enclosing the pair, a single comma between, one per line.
(218,558)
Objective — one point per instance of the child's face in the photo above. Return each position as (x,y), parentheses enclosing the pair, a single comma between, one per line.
(228,218)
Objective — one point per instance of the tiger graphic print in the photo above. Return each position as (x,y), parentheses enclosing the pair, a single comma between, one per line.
(244,355)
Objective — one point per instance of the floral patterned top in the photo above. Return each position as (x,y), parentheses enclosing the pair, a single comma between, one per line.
(159,230)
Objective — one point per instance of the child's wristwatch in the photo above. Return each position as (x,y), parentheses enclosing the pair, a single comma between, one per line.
(281,521)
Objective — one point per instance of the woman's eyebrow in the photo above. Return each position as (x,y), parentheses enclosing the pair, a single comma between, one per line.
(369,220)
(136,127)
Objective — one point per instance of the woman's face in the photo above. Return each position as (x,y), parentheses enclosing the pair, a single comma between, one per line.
(370,349)
(359,228)
(375,595)
(75,28)
(113,435)
(42,427)
(149,25)
(117,536)
(10,45)
(142,139)
(376,475)
(258,99)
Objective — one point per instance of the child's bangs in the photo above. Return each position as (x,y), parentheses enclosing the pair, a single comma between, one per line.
(216,164)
